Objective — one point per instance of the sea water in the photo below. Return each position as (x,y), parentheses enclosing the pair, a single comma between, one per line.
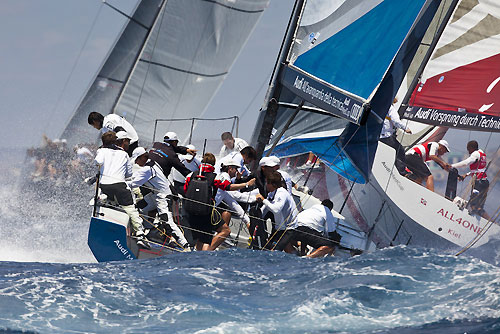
(394,290)
(50,283)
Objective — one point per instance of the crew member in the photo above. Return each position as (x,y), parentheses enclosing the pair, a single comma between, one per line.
(245,157)
(477,164)
(165,154)
(202,225)
(281,204)
(115,166)
(151,175)
(417,157)
(392,122)
(231,144)
(113,122)
(316,227)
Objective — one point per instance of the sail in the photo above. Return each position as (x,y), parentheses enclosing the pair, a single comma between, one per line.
(459,87)
(349,58)
(189,48)
(110,80)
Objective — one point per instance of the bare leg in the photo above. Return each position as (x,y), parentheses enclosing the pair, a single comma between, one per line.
(429,183)
(222,232)
(321,251)
(200,246)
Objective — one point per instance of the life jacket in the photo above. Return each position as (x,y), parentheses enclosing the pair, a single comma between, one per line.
(423,150)
(200,193)
(479,167)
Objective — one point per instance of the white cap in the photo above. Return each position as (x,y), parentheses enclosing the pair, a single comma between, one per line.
(138,152)
(445,144)
(56,141)
(190,146)
(170,136)
(275,160)
(231,162)
(122,135)
(268,162)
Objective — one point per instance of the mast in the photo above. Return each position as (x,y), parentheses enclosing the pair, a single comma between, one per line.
(271,110)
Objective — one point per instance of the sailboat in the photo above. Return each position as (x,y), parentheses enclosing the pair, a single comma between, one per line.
(339,58)
(168,62)
(454,90)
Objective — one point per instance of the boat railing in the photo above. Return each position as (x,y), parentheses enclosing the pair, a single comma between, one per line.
(234,127)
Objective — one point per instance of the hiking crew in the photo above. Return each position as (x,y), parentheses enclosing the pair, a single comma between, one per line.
(151,175)
(204,217)
(115,123)
(115,166)
(477,164)
(417,157)
(316,227)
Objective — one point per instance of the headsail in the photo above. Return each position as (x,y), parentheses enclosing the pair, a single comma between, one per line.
(349,57)
(459,87)
(189,48)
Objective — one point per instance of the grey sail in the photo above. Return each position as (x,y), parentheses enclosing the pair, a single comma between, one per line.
(110,80)
(184,60)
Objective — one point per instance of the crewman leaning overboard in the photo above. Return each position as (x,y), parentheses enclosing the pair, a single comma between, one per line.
(116,123)
(477,164)
(417,157)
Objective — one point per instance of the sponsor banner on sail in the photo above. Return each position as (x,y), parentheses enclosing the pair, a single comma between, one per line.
(460,85)
(351,44)
(321,95)
(453,119)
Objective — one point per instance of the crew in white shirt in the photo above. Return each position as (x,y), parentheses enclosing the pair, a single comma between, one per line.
(316,227)
(151,175)
(281,204)
(114,168)
(225,198)
(388,135)
(116,123)
(245,157)
(231,144)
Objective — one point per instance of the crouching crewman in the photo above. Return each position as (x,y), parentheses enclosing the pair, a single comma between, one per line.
(316,227)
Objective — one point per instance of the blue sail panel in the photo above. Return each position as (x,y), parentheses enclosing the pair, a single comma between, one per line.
(325,145)
(356,58)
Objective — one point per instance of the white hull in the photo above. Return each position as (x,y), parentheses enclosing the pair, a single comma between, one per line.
(402,212)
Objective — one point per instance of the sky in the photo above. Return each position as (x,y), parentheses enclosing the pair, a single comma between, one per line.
(51,50)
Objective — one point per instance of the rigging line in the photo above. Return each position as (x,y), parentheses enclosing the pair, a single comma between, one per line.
(59,98)
(149,65)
